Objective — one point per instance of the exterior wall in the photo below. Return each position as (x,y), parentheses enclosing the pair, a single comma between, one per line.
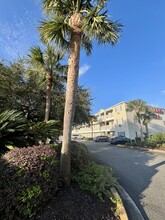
(157,124)
(116,120)
(133,126)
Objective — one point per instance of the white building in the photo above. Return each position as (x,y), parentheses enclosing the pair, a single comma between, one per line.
(116,120)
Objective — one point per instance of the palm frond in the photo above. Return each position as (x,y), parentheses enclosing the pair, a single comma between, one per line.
(86,43)
(13,125)
(43,130)
(52,5)
(36,58)
(59,7)
(96,25)
(55,31)
(100,2)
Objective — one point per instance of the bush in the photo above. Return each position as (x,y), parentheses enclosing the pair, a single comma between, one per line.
(40,131)
(156,140)
(80,156)
(97,179)
(28,177)
(89,139)
(13,126)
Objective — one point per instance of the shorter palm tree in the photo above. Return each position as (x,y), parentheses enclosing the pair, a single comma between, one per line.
(147,116)
(138,106)
(47,64)
(92,120)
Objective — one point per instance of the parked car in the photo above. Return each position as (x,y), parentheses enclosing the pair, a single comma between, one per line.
(119,140)
(77,137)
(101,139)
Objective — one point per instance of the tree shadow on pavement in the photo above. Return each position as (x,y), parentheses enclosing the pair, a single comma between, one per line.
(135,169)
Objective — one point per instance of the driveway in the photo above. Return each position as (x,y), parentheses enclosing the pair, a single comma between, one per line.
(141,173)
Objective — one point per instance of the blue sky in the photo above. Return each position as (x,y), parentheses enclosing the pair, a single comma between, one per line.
(134,68)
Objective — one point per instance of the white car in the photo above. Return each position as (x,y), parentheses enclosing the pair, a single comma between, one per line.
(77,137)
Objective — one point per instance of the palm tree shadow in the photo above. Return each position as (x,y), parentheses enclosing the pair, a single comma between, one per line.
(158,165)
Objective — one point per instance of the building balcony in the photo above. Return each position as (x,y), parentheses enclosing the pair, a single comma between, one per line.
(107,128)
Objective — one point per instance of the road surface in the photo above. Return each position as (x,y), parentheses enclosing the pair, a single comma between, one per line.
(141,173)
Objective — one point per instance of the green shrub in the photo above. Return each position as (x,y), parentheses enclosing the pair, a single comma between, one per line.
(26,198)
(131,142)
(40,131)
(28,177)
(79,156)
(97,179)
(156,140)
(88,139)
(13,126)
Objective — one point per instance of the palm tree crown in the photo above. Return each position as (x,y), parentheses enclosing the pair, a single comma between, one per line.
(138,106)
(91,21)
(48,65)
(142,113)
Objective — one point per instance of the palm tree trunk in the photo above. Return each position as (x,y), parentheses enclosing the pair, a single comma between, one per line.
(92,129)
(147,131)
(48,96)
(70,101)
(141,133)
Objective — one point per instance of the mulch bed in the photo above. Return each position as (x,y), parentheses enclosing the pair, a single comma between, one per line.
(76,204)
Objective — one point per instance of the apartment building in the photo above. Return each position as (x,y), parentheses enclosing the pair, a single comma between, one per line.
(116,120)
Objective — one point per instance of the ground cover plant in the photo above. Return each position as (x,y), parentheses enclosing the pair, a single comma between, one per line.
(28,176)
(156,140)
(29,182)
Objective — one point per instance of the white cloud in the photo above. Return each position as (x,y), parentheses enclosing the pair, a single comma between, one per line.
(163,91)
(83,69)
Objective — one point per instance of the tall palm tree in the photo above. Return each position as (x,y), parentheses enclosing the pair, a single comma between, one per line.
(73,24)
(48,64)
(138,106)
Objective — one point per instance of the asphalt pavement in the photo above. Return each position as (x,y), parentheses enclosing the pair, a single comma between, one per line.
(140,173)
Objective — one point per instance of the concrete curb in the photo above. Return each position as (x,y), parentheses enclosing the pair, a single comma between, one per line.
(143,149)
(132,210)
(121,212)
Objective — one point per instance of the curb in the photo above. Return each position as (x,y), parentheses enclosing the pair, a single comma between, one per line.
(132,210)
(121,212)
(143,149)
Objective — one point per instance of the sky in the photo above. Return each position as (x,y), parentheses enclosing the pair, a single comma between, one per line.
(133,69)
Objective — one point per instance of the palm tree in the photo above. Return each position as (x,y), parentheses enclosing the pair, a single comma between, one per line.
(73,24)
(48,63)
(138,106)
(92,120)
(147,116)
